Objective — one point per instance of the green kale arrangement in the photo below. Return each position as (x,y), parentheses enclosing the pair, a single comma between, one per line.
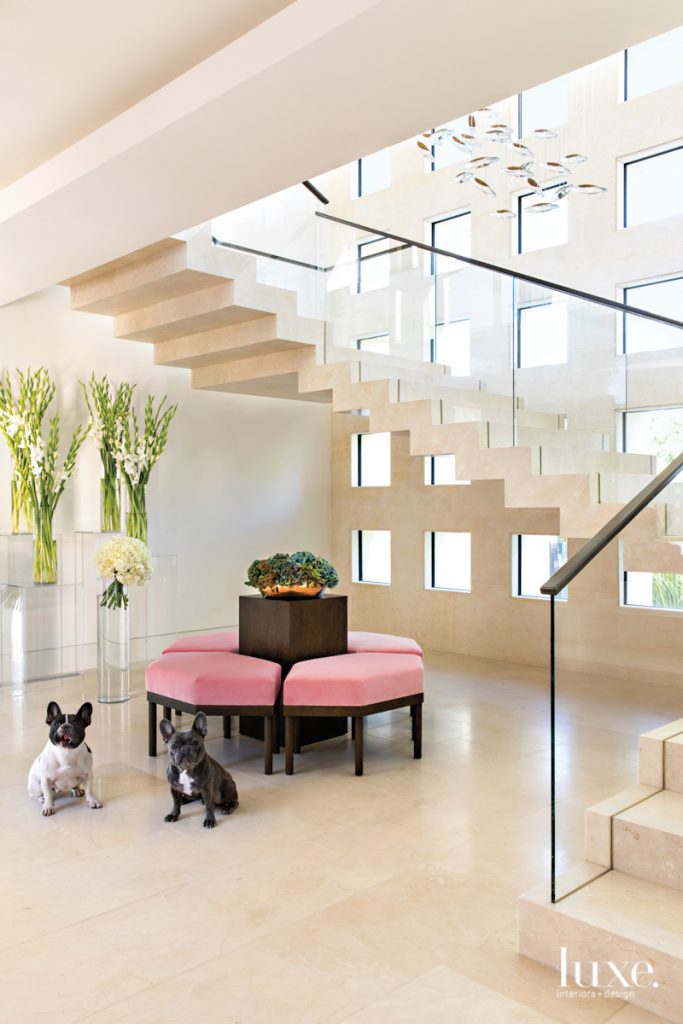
(302,569)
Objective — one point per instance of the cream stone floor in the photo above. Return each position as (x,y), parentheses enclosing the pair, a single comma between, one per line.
(389,899)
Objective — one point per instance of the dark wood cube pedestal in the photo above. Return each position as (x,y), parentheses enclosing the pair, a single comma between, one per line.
(294,630)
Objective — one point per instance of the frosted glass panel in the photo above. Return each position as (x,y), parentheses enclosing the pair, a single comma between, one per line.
(543,334)
(652,188)
(654,64)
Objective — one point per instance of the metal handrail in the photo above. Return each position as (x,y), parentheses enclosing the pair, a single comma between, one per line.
(624,516)
(614,304)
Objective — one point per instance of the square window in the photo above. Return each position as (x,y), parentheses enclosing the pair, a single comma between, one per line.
(452,347)
(374,343)
(371,460)
(535,558)
(663,297)
(373,173)
(654,64)
(652,187)
(448,561)
(657,432)
(654,590)
(542,334)
(544,106)
(371,556)
(372,265)
(440,471)
(540,230)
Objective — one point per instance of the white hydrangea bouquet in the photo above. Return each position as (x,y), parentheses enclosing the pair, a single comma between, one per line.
(129,562)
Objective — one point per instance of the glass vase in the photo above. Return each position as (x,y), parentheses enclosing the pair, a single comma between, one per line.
(110,504)
(113,654)
(136,520)
(21,506)
(44,549)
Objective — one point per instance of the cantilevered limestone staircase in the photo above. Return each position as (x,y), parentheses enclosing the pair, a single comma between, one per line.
(632,910)
(202,308)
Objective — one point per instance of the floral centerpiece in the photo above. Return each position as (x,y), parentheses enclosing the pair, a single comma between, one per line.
(302,574)
(36,461)
(136,452)
(129,563)
(108,410)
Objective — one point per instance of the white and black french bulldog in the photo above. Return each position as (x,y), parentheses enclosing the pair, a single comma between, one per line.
(193,774)
(65,765)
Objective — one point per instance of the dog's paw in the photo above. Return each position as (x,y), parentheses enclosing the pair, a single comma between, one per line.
(209,822)
(228,808)
(171,817)
(48,810)
(77,791)
(94,803)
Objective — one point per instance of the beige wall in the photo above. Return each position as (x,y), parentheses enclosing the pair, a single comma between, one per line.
(242,477)
(595,633)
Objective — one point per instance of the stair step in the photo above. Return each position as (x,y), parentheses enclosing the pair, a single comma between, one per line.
(619,918)
(647,840)
(143,278)
(652,752)
(262,336)
(673,763)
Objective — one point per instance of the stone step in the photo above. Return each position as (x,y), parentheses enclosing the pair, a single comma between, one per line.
(616,918)
(647,839)
(673,763)
(262,336)
(654,752)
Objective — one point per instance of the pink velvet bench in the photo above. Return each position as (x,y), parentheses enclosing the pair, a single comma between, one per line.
(353,686)
(358,643)
(217,683)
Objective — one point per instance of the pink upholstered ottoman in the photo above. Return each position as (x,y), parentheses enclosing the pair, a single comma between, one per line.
(353,685)
(217,683)
(381,643)
(227,641)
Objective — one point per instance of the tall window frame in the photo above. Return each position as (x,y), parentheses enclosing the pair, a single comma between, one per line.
(358,559)
(357,460)
(431,566)
(521,196)
(626,319)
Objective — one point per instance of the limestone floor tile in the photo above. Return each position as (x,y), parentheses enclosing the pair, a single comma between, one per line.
(443,996)
(325,895)
(632,1015)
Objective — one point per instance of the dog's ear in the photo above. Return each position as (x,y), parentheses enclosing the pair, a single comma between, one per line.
(200,724)
(167,729)
(85,712)
(53,711)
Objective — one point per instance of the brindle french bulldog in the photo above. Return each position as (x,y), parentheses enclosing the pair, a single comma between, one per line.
(193,774)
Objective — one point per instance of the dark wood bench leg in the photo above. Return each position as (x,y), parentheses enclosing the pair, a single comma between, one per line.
(290,729)
(412,721)
(417,731)
(358,721)
(268,744)
(297,737)
(227,727)
(152,740)
(353,728)
(168,713)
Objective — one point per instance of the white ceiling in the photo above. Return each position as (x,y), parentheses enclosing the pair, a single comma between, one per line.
(306,90)
(67,67)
